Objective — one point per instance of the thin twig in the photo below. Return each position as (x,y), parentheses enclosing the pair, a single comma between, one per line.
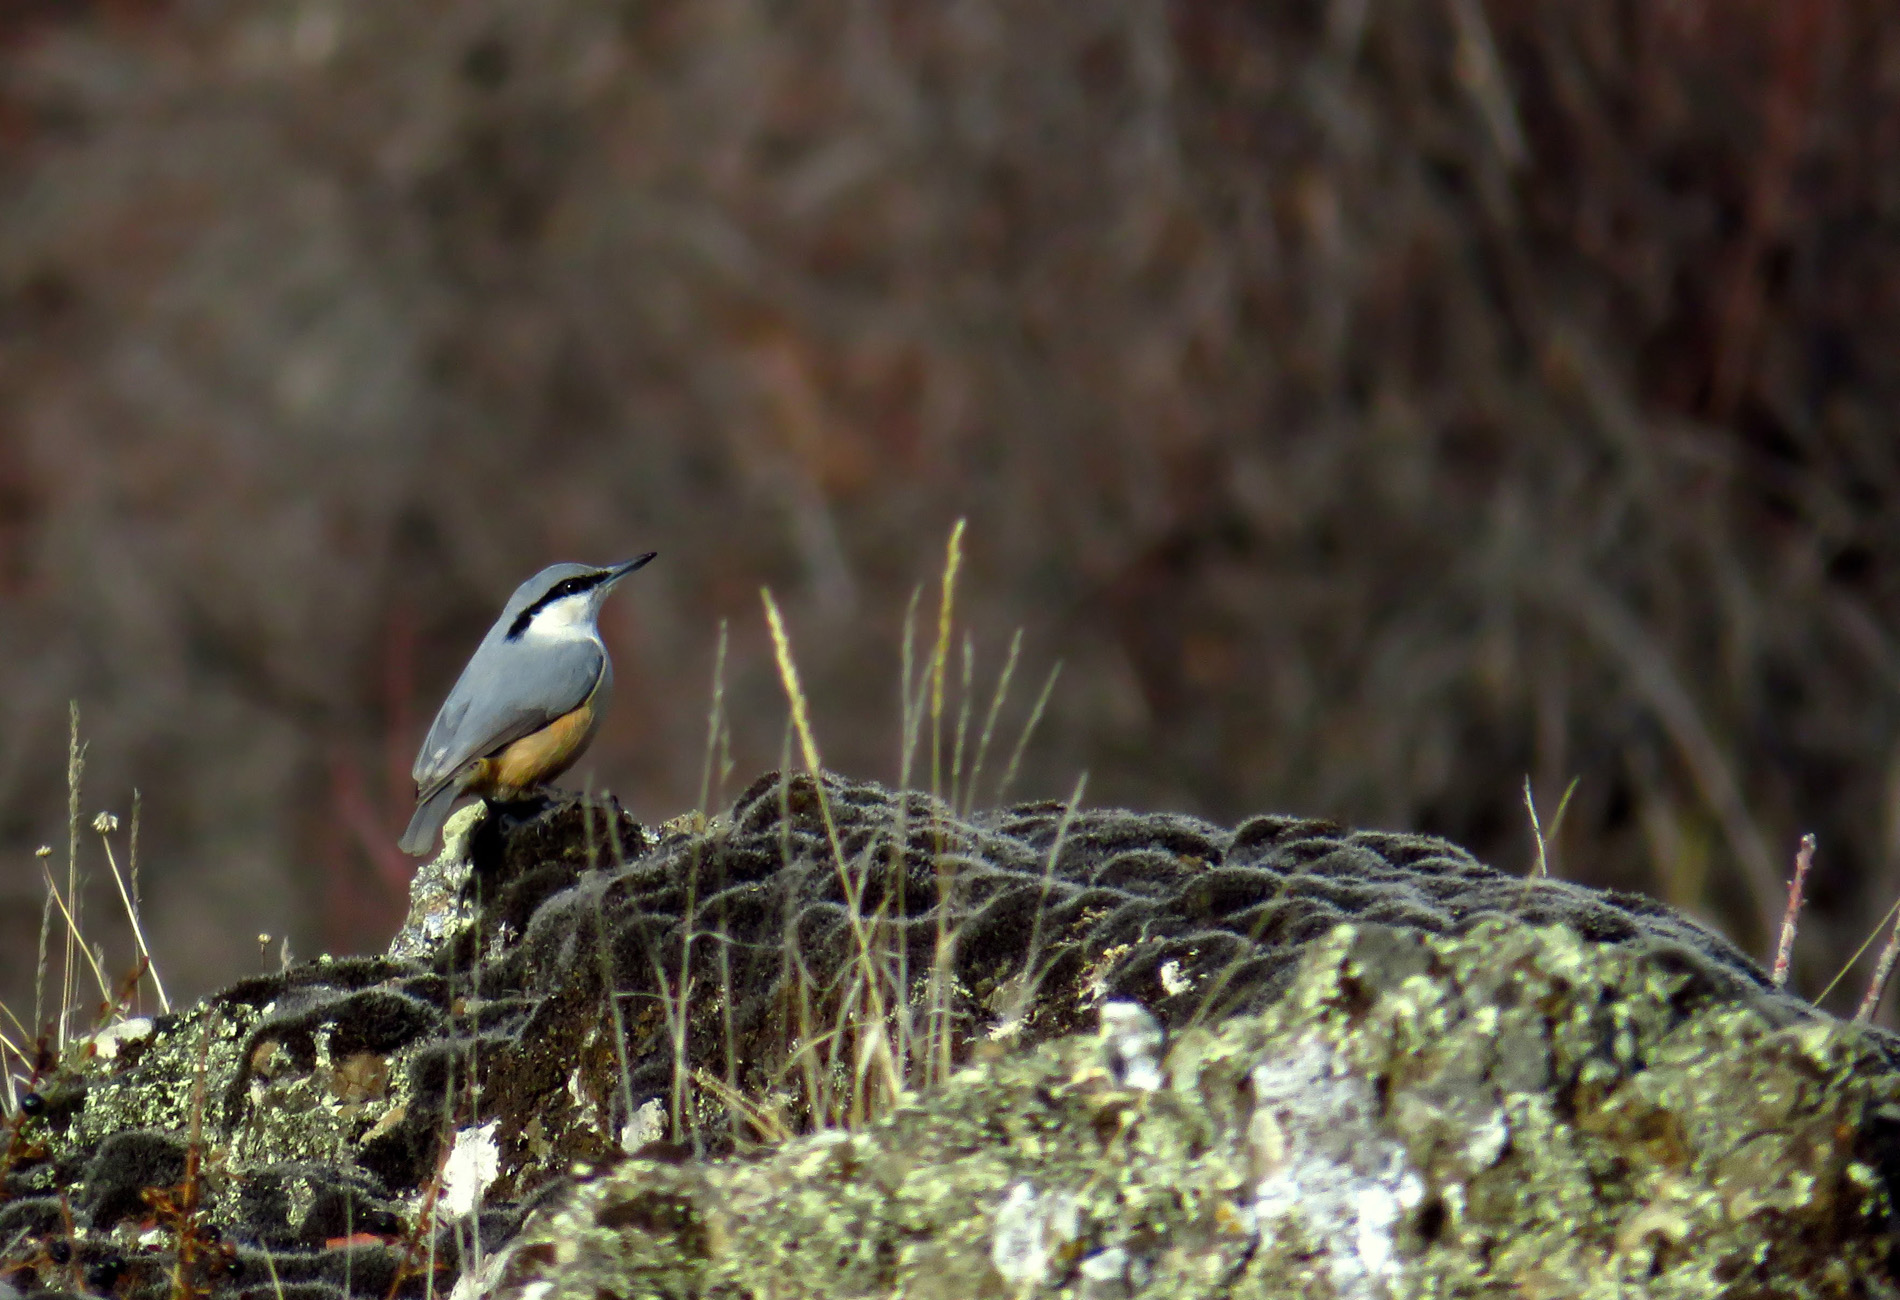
(1797,888)
(1654,677)
(1882,969)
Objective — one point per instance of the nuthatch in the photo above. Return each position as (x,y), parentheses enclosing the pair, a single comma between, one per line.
(529,701)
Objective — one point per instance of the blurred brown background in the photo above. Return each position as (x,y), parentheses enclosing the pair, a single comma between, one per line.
(1371,403)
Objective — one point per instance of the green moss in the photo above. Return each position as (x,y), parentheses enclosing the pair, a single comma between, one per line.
(1518,1111)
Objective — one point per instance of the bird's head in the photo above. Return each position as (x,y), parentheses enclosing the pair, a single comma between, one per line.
(563,600)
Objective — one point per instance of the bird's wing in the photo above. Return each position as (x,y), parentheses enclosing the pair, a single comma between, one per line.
(508,691)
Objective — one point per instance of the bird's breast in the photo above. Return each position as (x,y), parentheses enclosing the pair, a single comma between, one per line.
(540,756)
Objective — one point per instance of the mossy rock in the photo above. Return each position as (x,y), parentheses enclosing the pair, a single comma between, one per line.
(1556,1090)
(1515,1111)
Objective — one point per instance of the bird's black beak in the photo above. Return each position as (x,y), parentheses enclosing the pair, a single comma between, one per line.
(619,571)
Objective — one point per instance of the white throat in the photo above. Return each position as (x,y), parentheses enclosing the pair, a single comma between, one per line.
(568,619)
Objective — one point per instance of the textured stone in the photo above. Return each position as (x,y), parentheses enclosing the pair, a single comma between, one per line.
(1482,1072)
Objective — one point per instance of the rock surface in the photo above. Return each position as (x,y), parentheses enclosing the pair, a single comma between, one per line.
(1388,1069)
(1516,1111)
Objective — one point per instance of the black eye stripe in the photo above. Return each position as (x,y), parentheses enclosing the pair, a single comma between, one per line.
(560,590)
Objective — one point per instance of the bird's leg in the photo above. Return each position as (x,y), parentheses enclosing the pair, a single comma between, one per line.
(520,807)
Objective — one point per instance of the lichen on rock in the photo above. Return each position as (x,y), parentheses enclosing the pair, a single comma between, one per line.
(1279,1059)
(1513,1111)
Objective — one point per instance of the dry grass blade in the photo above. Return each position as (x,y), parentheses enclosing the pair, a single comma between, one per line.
(769,1124)
(42,963)
(75,767)
(1541,868)
(9,1047)
(1870,1002)
(679,1023)
(73,940)
(910,701)
(1029,728)
(963,722)
(1892,913)
(997,697)
(1031,976)
(801,716)
(132,846)
(865,954)
(940,659)
(132,915)
(602,942)
(19,1048)
(270,1265)
(908,716)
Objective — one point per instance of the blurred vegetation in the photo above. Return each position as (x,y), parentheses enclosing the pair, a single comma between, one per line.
(1370,404)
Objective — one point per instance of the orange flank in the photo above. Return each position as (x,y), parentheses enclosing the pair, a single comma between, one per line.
(537,758)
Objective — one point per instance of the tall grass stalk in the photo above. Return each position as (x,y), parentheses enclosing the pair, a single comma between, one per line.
(865,955)
(1892,917)
(1029,729)
(681,1023)
(855,1043)
(69,979)
(132,911)
(997,696)
(940,659)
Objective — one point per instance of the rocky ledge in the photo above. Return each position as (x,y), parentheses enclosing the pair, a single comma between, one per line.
(842,1042)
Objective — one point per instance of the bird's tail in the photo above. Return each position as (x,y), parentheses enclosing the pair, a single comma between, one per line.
(419,839)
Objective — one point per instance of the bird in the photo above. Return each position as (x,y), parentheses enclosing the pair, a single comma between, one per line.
(528,703)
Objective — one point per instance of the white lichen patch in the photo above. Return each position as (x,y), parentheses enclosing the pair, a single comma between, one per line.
(107,1042)
(648,1124)
(473,1165)
(1173,979)
(438,908)
(1488,1138)
(1107,1275)
(477,1282)
(1032,1230)
(1327,1166)
(1131,1046)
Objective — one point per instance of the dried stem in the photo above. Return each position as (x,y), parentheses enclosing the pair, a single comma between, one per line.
(1784,948)
(1882,969)
(132,915)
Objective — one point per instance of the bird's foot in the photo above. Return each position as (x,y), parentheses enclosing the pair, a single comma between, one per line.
(517,809)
